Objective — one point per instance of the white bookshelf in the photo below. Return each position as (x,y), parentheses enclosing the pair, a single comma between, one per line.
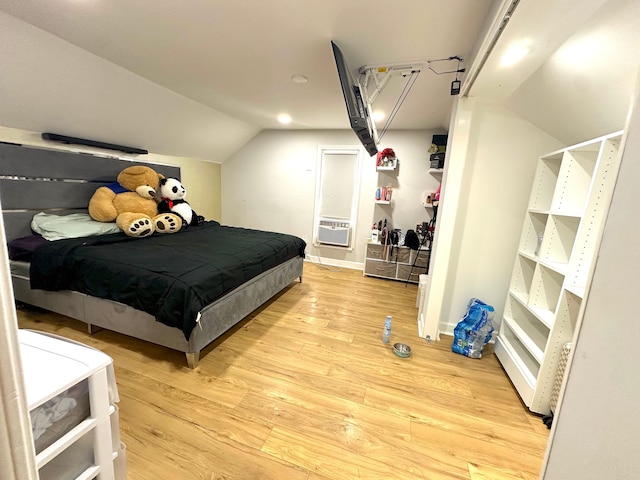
(559,239)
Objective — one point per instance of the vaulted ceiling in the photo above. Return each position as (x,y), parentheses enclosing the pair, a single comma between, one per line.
(201,78)
(198,78)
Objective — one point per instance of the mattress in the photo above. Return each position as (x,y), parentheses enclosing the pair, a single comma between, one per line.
(22,248)
(171,277)
(19,268)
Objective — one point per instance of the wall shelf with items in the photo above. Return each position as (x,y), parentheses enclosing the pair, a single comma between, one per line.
(383,192)
(389,164)
(427,199)
(560,236)
(437,174)
(383,195)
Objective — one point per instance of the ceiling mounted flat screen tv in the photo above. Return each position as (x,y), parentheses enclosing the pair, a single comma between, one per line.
(356,109)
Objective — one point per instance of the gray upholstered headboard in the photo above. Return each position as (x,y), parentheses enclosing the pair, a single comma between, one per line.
(34,180)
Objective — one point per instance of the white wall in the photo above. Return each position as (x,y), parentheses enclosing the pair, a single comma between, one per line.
(582,89)
(490,199)
(200,178)
(500,144)
(595,432)
(270,184)
(50,85)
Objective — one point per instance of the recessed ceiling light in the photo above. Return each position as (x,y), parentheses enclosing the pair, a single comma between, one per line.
(378,115)
(584,52)
(299,79)
(284,118)
(515,53)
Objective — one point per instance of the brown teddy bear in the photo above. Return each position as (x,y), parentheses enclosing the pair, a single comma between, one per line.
(131,203)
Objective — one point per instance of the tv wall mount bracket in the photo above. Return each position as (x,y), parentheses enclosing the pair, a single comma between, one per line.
(374,78)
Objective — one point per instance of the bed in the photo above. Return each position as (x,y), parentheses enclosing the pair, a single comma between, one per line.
(35,180)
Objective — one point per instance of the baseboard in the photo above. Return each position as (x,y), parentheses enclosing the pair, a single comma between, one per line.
(332,262)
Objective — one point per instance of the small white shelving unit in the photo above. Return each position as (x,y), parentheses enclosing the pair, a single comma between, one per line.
(560,236)
(90,447)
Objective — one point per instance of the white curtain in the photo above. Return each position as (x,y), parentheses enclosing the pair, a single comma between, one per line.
(337,185)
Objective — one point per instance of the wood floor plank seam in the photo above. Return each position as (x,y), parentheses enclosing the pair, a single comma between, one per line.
(304,389)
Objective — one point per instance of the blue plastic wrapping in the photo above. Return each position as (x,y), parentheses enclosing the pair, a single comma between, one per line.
(474,331)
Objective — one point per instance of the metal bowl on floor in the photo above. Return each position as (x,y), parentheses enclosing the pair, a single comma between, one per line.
(401,349)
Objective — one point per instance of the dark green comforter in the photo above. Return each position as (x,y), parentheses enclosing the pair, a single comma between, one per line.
(170,276)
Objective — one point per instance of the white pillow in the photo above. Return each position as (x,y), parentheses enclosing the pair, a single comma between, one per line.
(57,227)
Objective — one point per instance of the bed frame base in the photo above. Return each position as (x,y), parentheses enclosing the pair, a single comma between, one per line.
(215,319)
(192,359)
(91,329)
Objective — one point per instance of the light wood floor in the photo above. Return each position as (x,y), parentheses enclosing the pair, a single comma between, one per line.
(305,389)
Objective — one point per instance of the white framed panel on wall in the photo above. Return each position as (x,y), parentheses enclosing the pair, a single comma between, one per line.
(336,196)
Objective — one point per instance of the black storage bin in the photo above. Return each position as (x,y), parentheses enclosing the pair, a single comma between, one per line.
(437,160)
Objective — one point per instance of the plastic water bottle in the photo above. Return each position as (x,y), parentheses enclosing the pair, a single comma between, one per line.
(539,244)
(476,342)
(386,333)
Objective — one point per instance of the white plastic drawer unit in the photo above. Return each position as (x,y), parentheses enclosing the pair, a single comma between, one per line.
(69,398)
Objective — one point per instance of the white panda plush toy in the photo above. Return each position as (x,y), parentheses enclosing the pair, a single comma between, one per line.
(172,195)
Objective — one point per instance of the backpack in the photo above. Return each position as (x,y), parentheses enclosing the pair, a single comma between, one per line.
(411,240)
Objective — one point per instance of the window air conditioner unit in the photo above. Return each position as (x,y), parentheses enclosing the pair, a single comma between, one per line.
(331,232)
